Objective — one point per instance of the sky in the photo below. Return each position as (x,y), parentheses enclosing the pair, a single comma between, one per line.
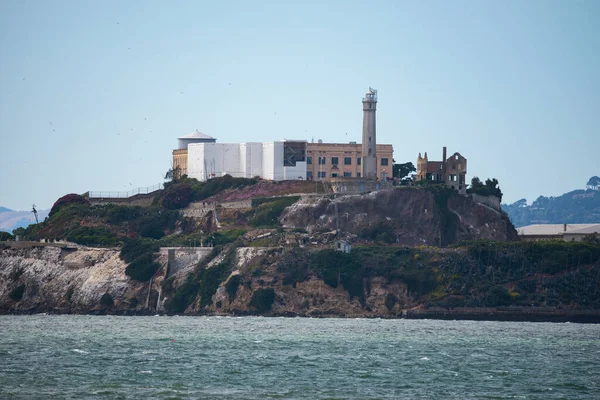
(93,94)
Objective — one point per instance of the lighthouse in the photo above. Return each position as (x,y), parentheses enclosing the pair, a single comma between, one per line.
(369,139)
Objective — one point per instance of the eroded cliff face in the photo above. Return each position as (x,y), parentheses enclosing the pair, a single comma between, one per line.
(68,280)
(260,268)
(413,216)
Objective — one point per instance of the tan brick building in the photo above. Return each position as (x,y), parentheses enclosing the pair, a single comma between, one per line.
(333,160)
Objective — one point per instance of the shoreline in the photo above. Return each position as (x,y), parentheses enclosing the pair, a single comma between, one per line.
(571,316)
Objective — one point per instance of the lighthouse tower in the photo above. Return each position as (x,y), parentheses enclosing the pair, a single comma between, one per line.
(369,142)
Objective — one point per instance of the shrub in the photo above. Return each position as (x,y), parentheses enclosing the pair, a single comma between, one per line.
(69,294)
(17,293)
(379,231)
(497,296)
(6,236)
(232,286)
(177,196)
(106,300)
(71,198)
(93,235)
(184,295)
(262,299)
(134,248)
(117,214)
(268,213)
(390,301)
(143,268)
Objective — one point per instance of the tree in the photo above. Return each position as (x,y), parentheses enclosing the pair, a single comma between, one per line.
(402,170)
(34,211)
(173,174)
(490,188)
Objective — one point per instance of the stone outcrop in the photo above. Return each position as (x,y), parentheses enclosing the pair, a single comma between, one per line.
(414,216)
(64,279)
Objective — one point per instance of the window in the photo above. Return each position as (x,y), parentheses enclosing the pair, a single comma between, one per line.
(358,173)
(347,174)
(309,175)
(358,161)
(347,160)
(322,174)
(334,175)
(459,167)
(308,160)
(384,161)
(334,160)
(321,160)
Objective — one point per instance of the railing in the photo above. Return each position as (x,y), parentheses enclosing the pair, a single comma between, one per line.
(124,195)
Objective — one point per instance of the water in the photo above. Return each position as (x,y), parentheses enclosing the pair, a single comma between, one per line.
(85,357)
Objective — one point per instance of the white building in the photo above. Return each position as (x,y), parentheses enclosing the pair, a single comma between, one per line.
(281,160)
(566,232)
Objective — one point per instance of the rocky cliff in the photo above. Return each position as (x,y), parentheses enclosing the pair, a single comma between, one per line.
(38,278)
(409,216)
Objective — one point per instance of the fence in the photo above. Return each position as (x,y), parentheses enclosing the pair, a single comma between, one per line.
(124,195)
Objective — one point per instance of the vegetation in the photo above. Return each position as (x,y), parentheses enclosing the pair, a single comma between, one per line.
(203,282)
(140,255)
(268,211)
(177,196)
(401,171)
(448,221)
(6,236)
(576,207)
(17,293)
(232,286)
(490,188)
(71,198)
(93,236)
(262,299)
(106,300)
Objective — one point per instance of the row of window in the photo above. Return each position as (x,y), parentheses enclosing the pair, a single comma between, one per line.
(323,174)
(347,161)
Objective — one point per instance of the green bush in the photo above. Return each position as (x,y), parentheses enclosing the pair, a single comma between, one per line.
(497,296)
(17,293)
(184,295)
(225,237)
(333,266)
(93,236)
(177,196)
(6,236)
(106,300)
(134,248)
(379,231)
(390,301)
(262,299)
(267,213)
(117,214)
(232,286)
(143,268)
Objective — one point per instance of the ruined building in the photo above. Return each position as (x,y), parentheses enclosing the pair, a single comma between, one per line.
(452,170)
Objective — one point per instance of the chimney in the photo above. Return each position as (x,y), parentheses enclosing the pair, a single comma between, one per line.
(564,227)
(444,177)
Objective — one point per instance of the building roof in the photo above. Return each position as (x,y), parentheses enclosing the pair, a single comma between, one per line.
(593,228)
(557,229)
(197,135)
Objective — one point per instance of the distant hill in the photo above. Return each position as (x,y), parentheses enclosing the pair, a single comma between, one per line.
(576,207)
(10,219)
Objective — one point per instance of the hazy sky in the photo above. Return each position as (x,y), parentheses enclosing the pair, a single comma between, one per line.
(93,94)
